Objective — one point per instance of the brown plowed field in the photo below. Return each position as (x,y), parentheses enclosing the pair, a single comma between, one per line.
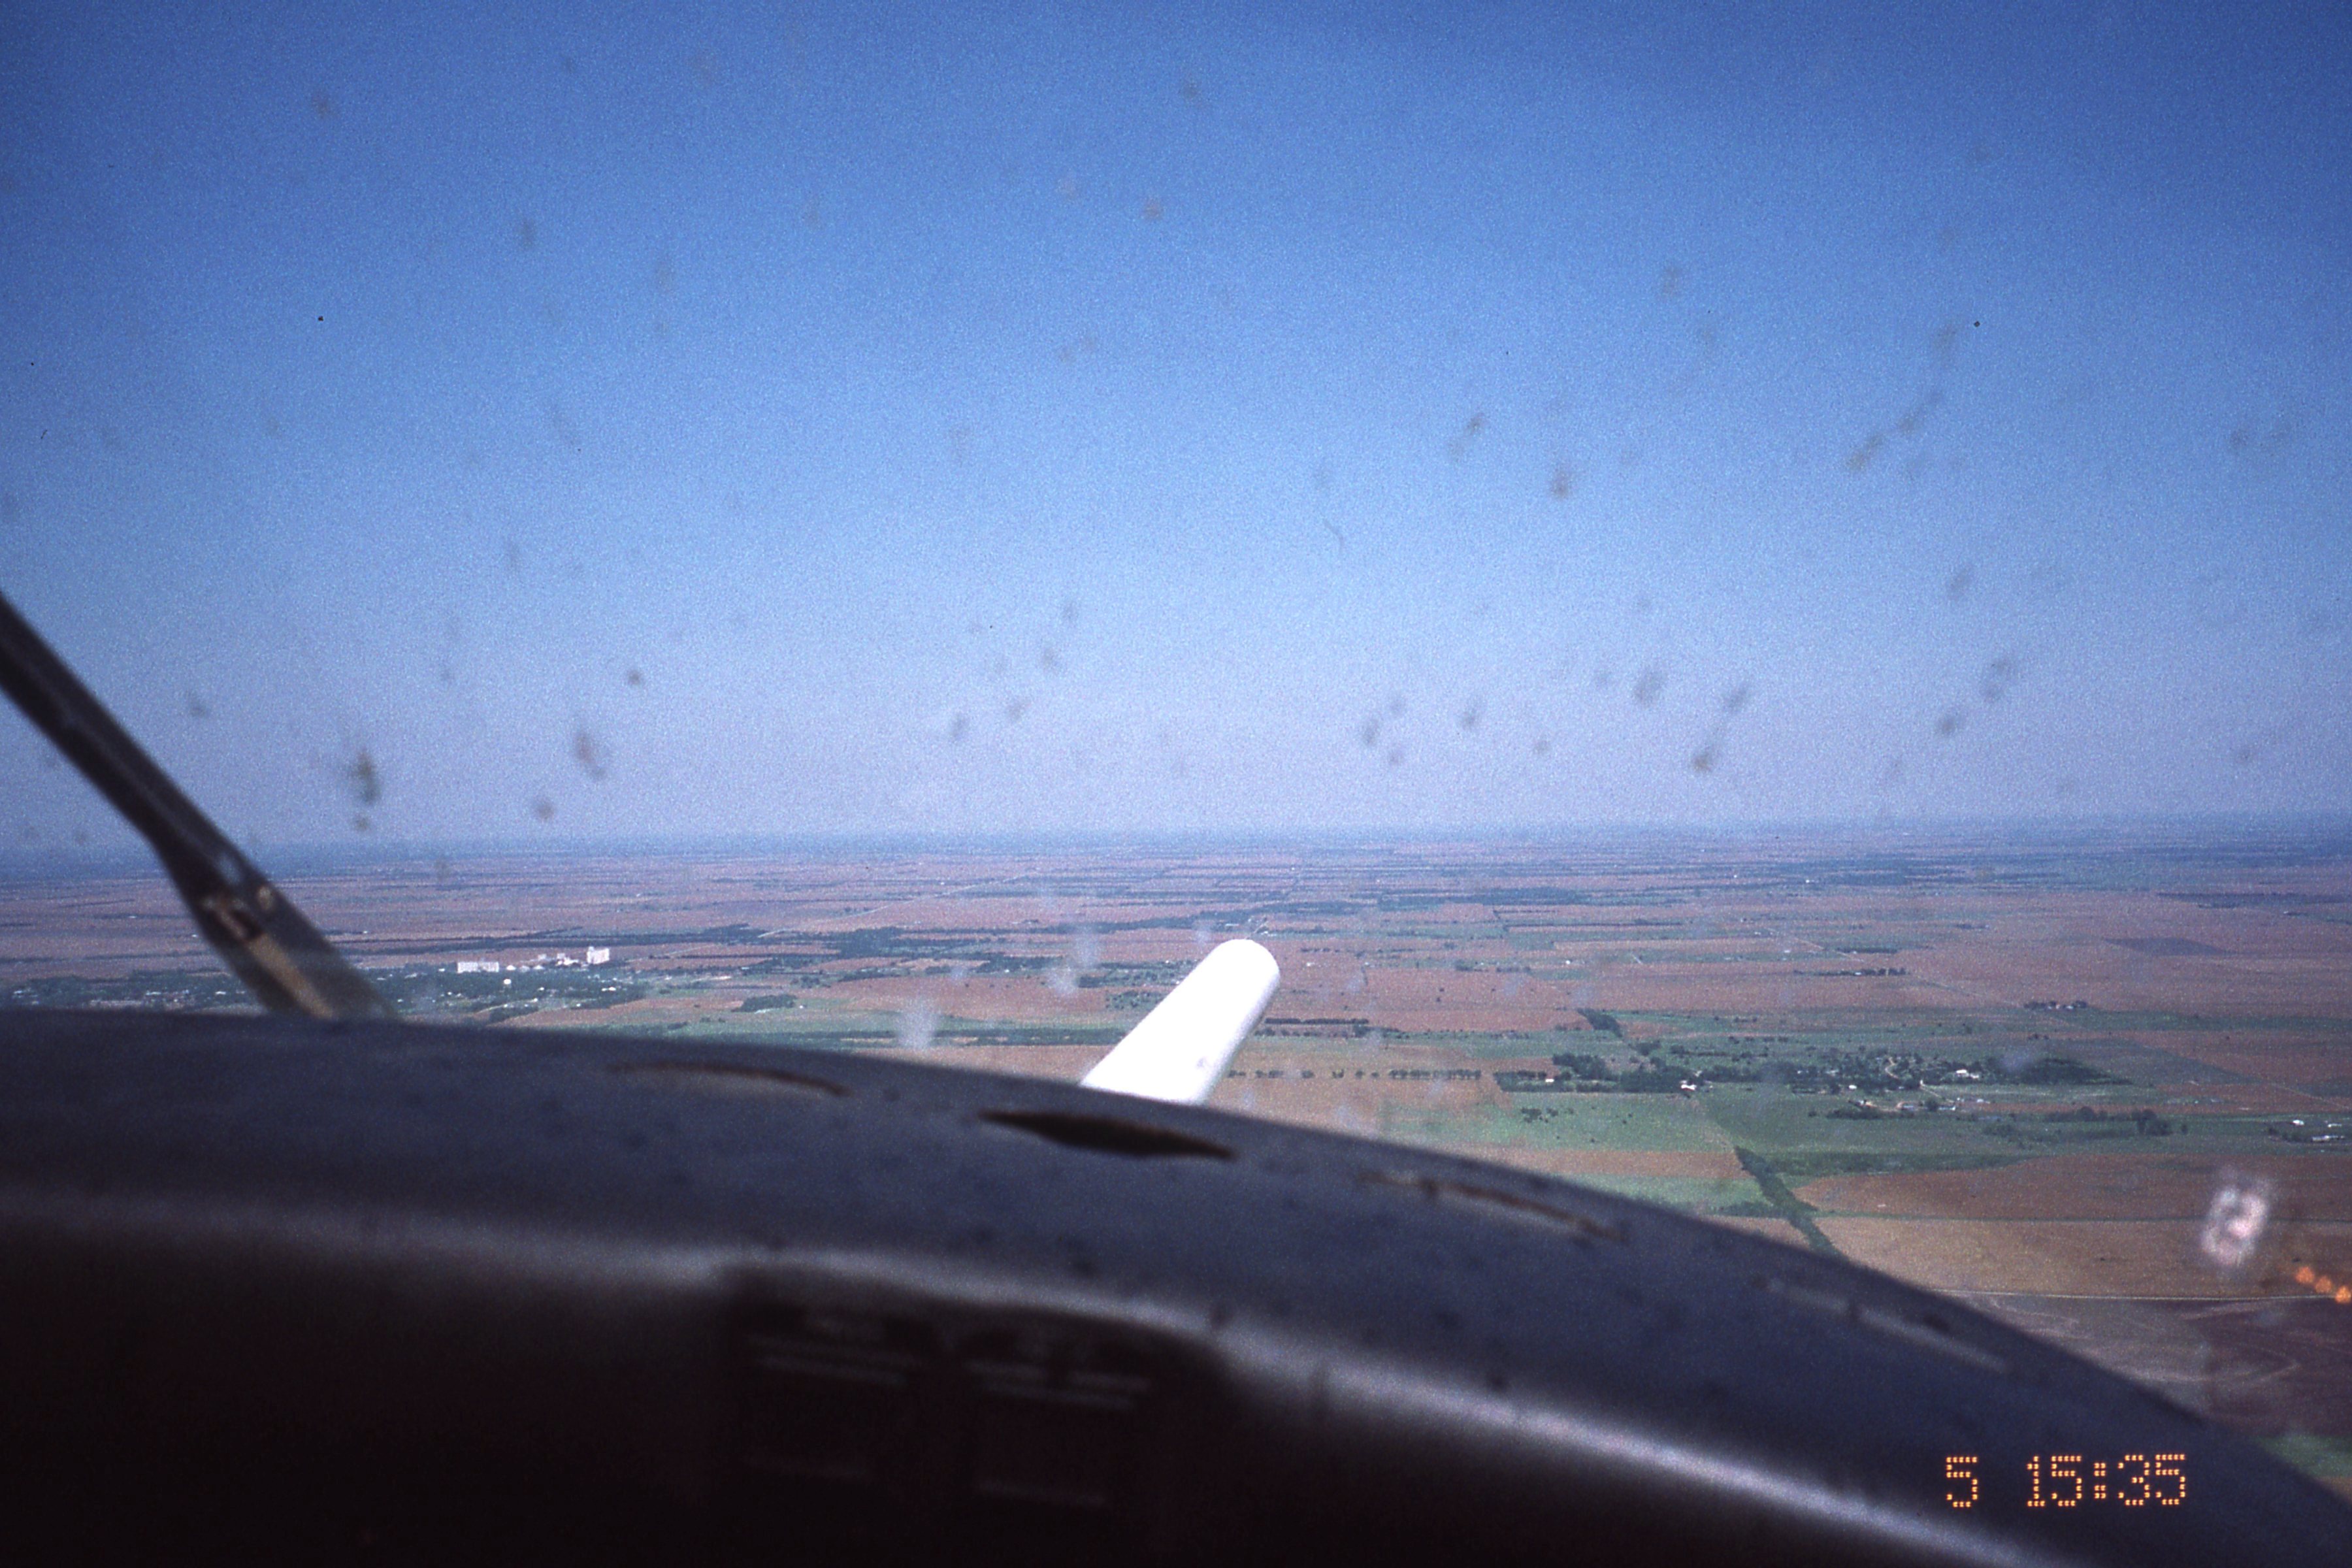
(2081,1188)
(2051,1257)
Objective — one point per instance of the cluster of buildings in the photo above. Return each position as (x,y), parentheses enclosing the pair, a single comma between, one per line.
(589,959)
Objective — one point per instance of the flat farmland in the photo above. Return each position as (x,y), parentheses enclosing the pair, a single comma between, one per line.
(2015,1065)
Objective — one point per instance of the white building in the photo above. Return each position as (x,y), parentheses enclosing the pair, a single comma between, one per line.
(599,955)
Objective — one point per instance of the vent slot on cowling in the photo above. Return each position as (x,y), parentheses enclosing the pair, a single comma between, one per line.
(727,1077)
(1495,1202)
(1108,1134)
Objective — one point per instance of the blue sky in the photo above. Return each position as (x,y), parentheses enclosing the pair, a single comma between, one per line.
(706,420)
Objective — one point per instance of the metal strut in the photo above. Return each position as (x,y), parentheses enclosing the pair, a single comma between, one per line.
(284,960)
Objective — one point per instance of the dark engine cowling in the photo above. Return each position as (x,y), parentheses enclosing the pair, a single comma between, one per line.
(360,1290)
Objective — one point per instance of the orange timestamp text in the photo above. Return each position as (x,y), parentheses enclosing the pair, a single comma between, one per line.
(2073,1481)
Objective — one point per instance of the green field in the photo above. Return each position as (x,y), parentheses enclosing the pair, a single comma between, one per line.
(1650,1121)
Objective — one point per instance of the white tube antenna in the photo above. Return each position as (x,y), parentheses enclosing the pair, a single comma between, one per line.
(1180,1049)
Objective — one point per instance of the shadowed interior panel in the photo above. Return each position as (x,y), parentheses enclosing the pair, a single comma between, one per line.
(942,1420)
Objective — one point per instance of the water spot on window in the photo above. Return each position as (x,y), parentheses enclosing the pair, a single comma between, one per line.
(917,1023)
(526,231)
(1647,684)
(959,727)
(1604,678)
(197,706)
(1542,747)
(635,677)
(1998,676)
(567,65)
(588,753)
(1368,732)
(1396,705)
(1471,713)
(1015,708)
(704,65)
(2259,744)
(1189,90)
(1670,282)
(1956,587)
(2253,441)
(361,822)
(1396,756)
(321,105)
(1859,459)
(1153,209)
(1459,446)
(2236,1221)
(361,778)
(542,808)
(9,508)
(1914,417)
(560,423)
(1952,722)
(1067,187)
(2049,580)
(1703,759)
(1563,481)
(1341,539)
(1737,699)
(1048,661)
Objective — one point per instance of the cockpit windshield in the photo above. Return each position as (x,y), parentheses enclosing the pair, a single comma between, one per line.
(1754,608)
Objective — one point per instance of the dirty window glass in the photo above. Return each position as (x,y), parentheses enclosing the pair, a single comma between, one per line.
(1753,609)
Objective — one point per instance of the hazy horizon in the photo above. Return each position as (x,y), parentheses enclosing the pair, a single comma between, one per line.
(2331,834)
